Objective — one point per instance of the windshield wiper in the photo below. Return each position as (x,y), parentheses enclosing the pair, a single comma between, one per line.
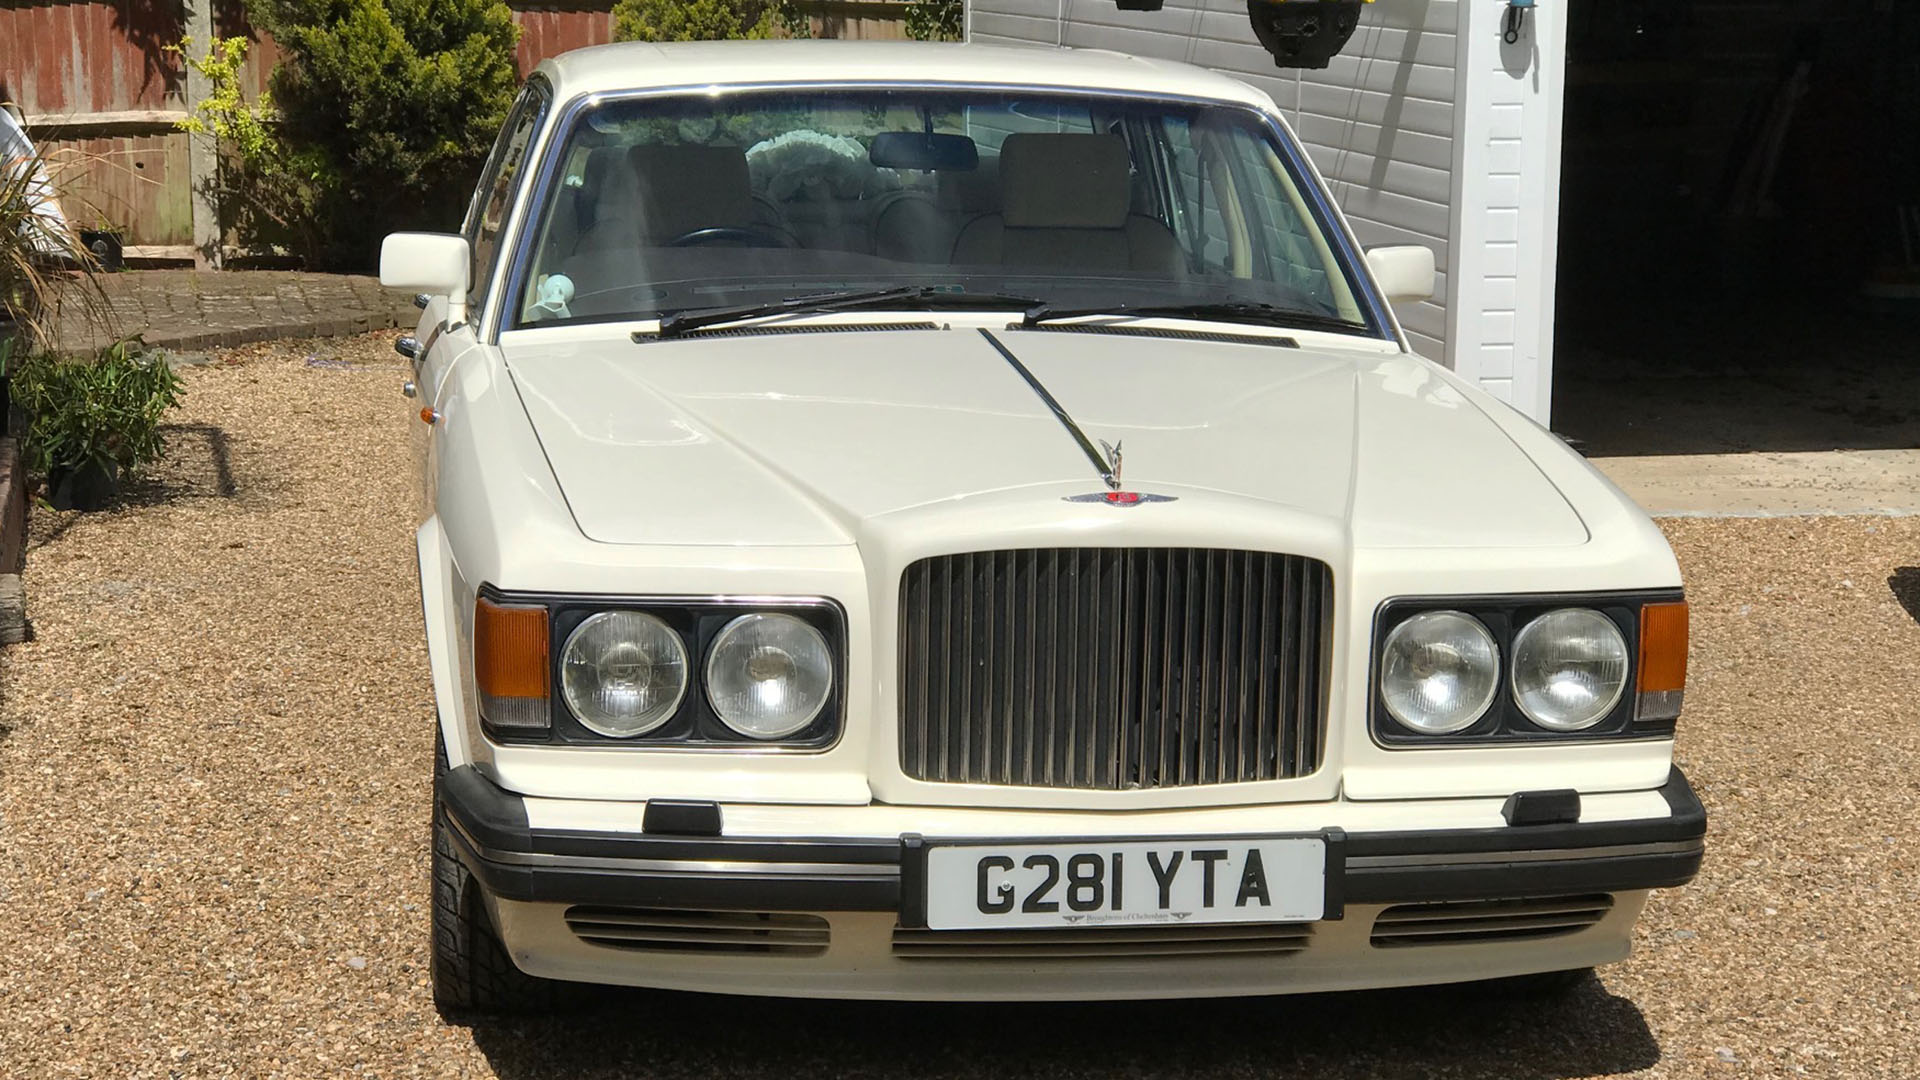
(680,322)
(1236,311)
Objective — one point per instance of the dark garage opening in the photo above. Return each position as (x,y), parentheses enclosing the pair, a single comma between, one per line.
(1739,263)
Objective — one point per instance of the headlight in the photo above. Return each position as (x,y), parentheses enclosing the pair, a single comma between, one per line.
(768,675)
(1569,669)
(1439,671)
(623,673)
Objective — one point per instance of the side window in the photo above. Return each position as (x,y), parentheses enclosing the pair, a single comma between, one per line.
(1289,255)
(1196,182)
(493,200)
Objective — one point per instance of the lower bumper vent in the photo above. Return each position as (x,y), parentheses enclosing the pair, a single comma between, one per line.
(664,930)
(1457,922)
(1266,939)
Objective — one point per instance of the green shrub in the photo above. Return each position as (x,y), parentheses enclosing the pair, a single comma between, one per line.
(935,20)
(708,20)
(382,112)
(103,412)
(264,190)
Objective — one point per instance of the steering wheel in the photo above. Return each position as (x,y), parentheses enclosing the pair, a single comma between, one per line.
(719,233)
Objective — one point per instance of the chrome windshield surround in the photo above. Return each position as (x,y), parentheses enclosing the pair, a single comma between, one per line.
(538,183)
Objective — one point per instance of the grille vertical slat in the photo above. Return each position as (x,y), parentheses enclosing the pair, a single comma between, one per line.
(1113,668)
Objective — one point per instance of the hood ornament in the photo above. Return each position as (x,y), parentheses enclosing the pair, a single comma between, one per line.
(1115,495)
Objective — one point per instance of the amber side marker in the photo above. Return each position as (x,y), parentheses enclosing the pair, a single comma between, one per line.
(510,663)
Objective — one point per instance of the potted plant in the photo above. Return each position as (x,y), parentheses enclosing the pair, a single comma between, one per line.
(40,255)
(93,421)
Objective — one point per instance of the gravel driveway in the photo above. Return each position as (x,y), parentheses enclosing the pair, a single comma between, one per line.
(213,808)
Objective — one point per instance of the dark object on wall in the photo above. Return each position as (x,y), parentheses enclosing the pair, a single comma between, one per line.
(1140,5)
(1303,33)
(107,248)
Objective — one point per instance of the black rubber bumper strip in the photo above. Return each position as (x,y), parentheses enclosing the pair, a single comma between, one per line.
(516,862)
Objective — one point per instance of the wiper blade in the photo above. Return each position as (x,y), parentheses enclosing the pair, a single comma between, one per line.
(680,322)
(1237,311)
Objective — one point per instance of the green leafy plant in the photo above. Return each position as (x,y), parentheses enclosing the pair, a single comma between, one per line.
(264,188)
(40,254)
(378,117)
(708,20)
(104,412)
(935,20)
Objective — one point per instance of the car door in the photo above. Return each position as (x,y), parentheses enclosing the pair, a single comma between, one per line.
(440,343)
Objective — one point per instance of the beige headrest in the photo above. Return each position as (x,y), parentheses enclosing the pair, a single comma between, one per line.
(1064,181)
(683,188)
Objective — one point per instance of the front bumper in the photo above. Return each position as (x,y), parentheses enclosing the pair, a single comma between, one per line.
(865,890)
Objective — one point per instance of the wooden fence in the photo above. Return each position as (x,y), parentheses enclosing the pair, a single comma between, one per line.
(102,92)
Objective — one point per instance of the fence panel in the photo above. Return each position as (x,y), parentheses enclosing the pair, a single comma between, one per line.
(102,94)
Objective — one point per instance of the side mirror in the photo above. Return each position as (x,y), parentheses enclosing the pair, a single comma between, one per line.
(432,263)
(1405,273)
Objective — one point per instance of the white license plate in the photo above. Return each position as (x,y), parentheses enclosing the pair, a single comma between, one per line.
(1136,882)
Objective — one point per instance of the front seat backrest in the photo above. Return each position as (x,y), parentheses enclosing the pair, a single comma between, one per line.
(1065,203)
(684,188)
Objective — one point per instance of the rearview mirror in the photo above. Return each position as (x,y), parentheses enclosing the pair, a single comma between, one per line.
(924,150)
(432,263)
(1405,272)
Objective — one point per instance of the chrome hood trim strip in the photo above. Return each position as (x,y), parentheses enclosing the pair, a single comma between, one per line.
(1107,464)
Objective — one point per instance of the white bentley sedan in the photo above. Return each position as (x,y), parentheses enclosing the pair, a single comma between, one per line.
(910,521)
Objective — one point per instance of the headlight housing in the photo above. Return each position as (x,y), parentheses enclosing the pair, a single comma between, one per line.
(768,675)
(652,673)
(1569,668)
(1439,672)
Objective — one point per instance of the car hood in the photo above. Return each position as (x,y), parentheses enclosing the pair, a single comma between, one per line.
(807,438)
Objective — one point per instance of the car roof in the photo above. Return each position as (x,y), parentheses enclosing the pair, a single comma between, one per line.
(646,65)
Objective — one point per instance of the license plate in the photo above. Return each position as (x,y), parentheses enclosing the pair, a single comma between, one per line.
(1099,883)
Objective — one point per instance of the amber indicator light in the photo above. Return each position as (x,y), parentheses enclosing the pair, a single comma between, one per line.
(1663,647)
(510,650)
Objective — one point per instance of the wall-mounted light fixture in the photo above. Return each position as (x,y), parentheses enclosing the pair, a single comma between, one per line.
(1517,11)
(1304,33)
(1299,33)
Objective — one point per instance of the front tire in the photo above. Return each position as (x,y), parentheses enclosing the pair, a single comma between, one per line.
(471,970)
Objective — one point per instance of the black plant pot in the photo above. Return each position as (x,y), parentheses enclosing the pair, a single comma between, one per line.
(90,487)
(1303,33)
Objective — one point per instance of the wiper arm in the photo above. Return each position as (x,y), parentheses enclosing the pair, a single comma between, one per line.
(680,322)
(1240,311)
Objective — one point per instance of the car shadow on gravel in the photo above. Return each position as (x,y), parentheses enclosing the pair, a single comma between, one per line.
(1385,1034)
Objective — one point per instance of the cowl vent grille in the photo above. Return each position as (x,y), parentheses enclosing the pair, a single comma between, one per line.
(1480,921)
(669,930)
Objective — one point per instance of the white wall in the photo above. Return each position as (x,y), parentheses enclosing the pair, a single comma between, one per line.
(1508,202)
(1378,122)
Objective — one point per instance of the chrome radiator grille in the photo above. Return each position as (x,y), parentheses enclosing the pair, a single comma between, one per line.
(1113,668)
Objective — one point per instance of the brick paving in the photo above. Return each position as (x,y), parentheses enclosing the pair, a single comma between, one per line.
(186,310)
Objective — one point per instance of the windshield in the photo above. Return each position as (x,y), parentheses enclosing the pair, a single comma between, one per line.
(682,204)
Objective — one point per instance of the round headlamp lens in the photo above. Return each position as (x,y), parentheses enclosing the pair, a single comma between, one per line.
(623,673)
(1569,669)
(768,675)
(1439,671)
